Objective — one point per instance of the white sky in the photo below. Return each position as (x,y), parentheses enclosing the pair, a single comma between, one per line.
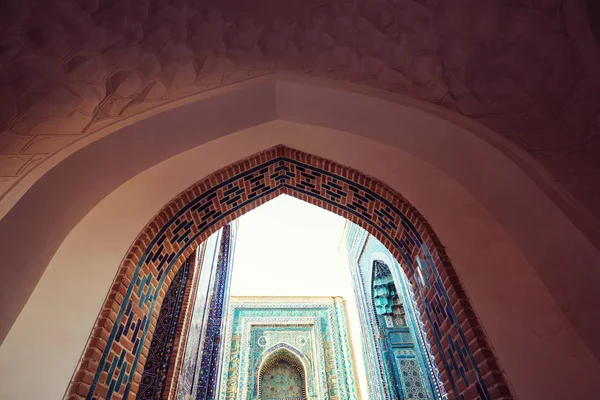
(283,245)
(288,247)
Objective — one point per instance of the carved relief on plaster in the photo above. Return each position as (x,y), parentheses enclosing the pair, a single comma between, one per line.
(73,67)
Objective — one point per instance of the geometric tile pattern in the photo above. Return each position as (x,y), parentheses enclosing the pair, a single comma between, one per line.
(161,347)
(282,380)
(209,362)
(411,377)
(191,355)
(460,347)
(312,335)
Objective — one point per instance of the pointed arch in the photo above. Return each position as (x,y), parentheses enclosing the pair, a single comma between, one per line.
(286,353)
(191,217)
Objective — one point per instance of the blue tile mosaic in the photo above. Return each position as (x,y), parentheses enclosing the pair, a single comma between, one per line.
(161,348)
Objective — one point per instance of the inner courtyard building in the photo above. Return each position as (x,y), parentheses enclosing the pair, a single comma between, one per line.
(458,141)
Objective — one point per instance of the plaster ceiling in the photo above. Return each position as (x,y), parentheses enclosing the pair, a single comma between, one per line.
(593,11)
(524,68)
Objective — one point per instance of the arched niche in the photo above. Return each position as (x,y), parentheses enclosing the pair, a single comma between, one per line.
(294,360)
(403,357)
(385,296)
(84,196)
(380,257)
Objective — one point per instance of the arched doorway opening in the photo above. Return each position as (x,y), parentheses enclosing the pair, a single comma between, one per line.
(158,252)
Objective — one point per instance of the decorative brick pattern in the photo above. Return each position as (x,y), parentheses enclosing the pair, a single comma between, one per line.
(118,347)
(154,378)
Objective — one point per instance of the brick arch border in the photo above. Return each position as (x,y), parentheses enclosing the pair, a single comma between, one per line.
(113,360)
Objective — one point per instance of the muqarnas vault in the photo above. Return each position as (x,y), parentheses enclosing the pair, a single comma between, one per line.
(287,348)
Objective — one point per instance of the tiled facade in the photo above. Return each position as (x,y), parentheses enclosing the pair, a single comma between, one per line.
(310,334)
(159,251)
(187,376)
(154,378)
(208,367)
(398,359)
